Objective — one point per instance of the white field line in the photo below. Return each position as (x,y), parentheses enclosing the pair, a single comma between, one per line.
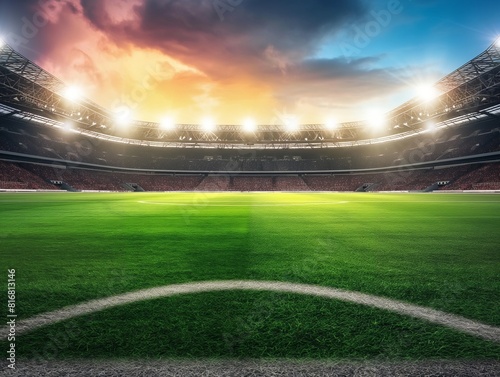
(240,204)
(452,321)
(250,204)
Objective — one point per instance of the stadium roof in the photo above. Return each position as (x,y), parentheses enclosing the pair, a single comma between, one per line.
(30,92)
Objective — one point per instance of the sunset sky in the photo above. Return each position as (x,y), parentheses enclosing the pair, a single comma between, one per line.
(318,60)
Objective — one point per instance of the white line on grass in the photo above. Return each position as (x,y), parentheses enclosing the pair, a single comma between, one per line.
(250,203)
(239,204)
(452,321)
(289,204)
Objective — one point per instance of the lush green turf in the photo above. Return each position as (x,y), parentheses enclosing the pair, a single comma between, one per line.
(437,250)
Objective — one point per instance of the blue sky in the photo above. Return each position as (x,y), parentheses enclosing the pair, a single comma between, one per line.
(446,33)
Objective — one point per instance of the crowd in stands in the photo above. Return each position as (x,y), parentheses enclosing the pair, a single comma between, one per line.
(186,169)
(338,182)
(41,177)
(14,177)
(89,180)
(486,177)
(243,183)
(165,182)
(290,184)
(214,183)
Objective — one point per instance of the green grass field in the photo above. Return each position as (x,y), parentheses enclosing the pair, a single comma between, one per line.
(440,251)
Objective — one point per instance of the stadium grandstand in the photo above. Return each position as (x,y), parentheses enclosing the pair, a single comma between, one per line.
(48,142)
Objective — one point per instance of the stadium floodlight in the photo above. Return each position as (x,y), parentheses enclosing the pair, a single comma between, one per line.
(292,123)
(427,93)
(249,125)
(167,124)
(72,93)
(376,120)
(497,42)
(2,42)
(331,124)
(123,115)
(208,125)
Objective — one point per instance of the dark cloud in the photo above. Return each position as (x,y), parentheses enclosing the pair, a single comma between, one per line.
(337,83)
(12,13)
(96,12)
(257,38)
(267,41)
(293,25)
(323,68)
(73,8)
(32,26)
(201,33)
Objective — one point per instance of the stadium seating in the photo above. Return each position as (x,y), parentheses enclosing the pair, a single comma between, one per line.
(214,183)
(114,166)
(13,176)
(242,183)
(486,177)
(290,184)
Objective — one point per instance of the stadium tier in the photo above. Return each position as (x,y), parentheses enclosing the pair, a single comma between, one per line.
(461,158)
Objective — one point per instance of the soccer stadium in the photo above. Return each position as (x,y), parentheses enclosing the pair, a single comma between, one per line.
(131,247)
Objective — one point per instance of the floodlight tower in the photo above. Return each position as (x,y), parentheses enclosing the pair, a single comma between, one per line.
(208,125)
(331,124)
(427,92)
(292,123)
(249,125)
(72,93)
(167,124)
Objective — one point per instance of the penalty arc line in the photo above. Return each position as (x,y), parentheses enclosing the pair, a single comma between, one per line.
(452,321)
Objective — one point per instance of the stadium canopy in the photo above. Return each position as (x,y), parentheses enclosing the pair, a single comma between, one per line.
(29,92)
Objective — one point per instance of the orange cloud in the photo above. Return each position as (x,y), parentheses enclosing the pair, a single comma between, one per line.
(178,58)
